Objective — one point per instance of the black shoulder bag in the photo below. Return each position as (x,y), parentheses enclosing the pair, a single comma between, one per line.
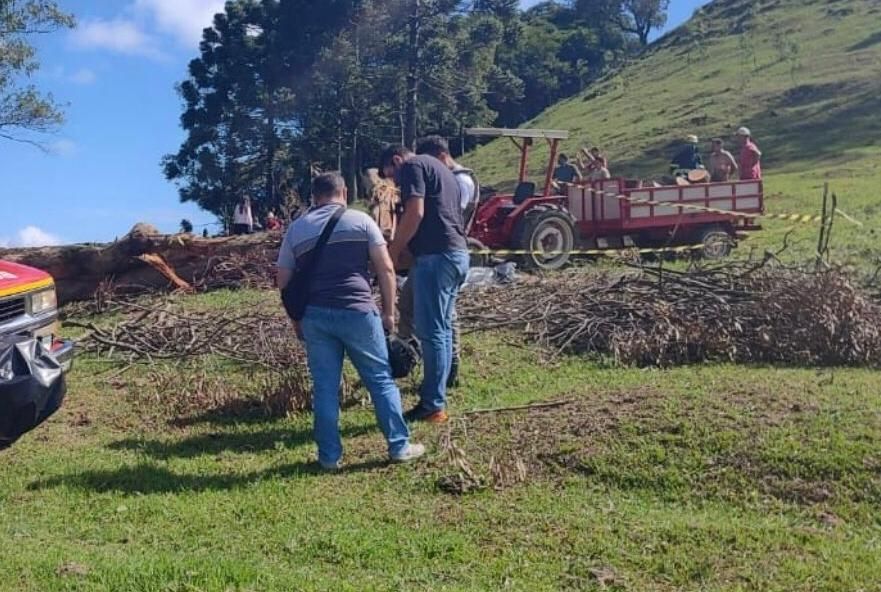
(295,295)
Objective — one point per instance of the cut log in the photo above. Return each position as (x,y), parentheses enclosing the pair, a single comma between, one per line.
(79,269)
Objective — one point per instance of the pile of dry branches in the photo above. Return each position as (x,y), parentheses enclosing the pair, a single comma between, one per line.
(160,331)
(151,332)
(736,312)
(251,269)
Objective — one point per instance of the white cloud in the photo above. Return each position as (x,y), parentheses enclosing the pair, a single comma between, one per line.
(83,76)
(31,236)
(117,35)
(185,19)
(64,148)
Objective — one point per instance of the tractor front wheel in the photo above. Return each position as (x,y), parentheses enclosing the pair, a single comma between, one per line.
(549,237)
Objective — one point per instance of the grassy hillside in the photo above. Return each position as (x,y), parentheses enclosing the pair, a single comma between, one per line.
(805,76)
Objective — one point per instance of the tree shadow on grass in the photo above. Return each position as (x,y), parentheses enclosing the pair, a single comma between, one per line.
(219,442)
(871,40)
(146,479)
(229,414)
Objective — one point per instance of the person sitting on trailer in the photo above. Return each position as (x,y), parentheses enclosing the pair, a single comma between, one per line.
(688,158)
(750,156)
(566,172)
(722,162)
(598,165)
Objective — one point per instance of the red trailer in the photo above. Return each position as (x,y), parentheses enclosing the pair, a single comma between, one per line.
(553,221)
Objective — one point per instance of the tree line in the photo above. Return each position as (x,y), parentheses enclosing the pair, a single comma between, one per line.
(282,87)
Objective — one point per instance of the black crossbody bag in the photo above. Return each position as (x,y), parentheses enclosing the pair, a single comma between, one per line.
(295,296)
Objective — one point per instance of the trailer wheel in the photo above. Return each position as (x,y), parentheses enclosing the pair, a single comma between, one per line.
(549,236)
(717,243)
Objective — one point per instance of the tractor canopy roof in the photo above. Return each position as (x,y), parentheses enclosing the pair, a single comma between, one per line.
(499,132)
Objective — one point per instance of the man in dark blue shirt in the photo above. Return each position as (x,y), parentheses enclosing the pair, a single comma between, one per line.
(566,172)
(432,228)
(688,158)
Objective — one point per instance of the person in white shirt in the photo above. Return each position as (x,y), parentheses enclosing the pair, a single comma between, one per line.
(469,188)
(243,220)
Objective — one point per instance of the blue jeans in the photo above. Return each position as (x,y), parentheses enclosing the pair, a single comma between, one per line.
(436,282)
(329,333)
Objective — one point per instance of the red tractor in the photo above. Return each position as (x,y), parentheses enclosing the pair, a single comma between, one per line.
(552,222)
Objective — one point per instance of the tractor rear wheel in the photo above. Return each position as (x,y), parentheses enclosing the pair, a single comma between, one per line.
(717,243)
(548,234)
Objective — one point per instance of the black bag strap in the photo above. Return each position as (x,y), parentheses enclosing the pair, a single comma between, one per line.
(315,255)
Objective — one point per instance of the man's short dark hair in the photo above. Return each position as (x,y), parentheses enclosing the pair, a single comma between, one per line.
(389,152)
(562,157)
(327,185)
(433,146)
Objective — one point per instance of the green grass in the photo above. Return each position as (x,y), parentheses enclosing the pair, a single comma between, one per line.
(816,123)
(709,477)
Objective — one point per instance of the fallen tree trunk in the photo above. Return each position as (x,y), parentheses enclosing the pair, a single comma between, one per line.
(79,270)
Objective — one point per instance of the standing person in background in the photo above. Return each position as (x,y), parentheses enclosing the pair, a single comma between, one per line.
(566,172)
(341,316)
(243,220)
(750,156)
(722,163)
(432,229)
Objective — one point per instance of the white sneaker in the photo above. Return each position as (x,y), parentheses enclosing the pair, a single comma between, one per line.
(410,453)
(331,467)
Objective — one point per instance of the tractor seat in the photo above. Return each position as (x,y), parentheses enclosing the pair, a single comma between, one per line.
(524,191)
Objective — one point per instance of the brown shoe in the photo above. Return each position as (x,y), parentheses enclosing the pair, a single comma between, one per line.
(418,413)
(438,417)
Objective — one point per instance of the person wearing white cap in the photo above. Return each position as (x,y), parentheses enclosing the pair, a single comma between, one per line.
(688,158)
(750,156)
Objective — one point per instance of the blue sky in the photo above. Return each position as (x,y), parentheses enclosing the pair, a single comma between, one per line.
(116,72)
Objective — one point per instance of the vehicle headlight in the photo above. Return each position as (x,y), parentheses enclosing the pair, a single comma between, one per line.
(44,301)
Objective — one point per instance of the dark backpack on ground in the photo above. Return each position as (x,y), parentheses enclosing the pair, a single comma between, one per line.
(404,356)
(295,296)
